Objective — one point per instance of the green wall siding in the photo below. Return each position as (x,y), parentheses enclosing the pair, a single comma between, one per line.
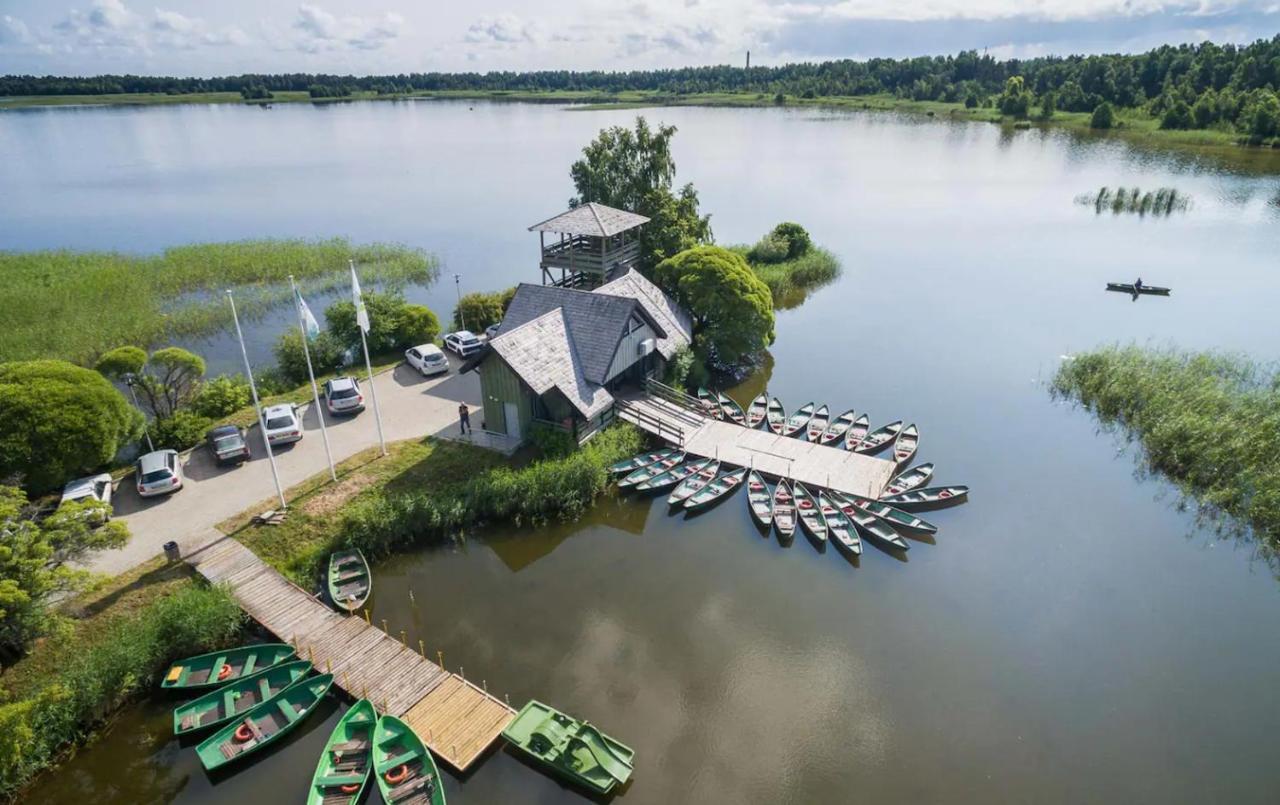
(498,385)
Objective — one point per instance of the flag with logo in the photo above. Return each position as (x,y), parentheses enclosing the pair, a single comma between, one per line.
(362,315)
(309,324)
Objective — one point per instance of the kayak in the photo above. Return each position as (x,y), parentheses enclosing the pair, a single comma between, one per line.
(918,475)
(784,509)
(343,770)
(671,477)
(776,416)
(349,580)
(810,515)
(656,468)
(904,447)
(759,500)
(404,769)
(264,724)
(839,526)
(221,705)
(730,411)
(710,404)
(798,421)
(634,463)
(900,520)
(838,428)
(757,410)
(220,667)
(1128,287)
(877,439)
(717,489)
(857,431)
(705,474)
(570,747)
(932,497)
(868,525)
(818,424)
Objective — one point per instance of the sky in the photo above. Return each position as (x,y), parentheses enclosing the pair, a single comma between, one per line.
(195,38)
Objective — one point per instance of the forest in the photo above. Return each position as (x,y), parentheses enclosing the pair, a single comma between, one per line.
(1185,86)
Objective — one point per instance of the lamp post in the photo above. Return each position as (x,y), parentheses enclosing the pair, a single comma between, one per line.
(457,282)
(129,381)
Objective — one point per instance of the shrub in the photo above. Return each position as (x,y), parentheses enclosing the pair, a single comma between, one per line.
(388,328)
(1177,116)
(769,249)
(181,430)
(222,396)
(731,307)
(1103,116)
(327,353)
(418,325)
(480,309)
(797,239)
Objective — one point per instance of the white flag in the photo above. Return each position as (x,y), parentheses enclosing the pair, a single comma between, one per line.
(309,323)
(362,315)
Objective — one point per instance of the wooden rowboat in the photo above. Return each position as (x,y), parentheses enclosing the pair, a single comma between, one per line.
(879,438)
(759,500)
(671,477)
(634,463)
(236,698)
(904,447)
(710,404)
(776,416)
(220,667)
(705,474)
(838,427)
(716,490)
(404,769)
(798,421)
(857,431)
(349,579)
(656,468)
(818,424)
(839,526)
(264,724)
(757,411)
(868,524)
(784,509)
(810,515)
(343,770)
(906,481)
(933,497)
(900,520)
(730,411)
(570,747)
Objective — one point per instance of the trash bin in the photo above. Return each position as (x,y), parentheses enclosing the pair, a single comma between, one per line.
(171,551)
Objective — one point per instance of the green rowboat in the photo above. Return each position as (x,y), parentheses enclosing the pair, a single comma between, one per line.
(904,447)
(906,481)
(933,497)
(798,421)
(818,424)
(811,519)
(730,411)
(841,528)
(349,579)
(656,468)
(900,520)
(838,428)
(238,697)
(776,416)
(705,474)
(784,510)
(406,773)
(343,770)
(717,489)
(868,524)
(220,667)
(574,749)
(879,438)
(759,500)
(853,437)
(671,477)
(264,724)
(634,463)
(757,410)
(710,404)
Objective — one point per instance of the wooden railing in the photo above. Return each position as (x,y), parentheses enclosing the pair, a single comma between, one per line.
(581,254)
(656,388)
(631,412)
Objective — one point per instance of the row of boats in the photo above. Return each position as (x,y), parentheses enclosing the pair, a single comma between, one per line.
(849,430)
(844,518)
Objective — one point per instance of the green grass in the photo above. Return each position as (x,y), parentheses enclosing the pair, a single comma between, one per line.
(791,281)
(1210,422)
(101,300)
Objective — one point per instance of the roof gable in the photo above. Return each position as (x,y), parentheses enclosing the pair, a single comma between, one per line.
(675,327)
(591,219)
(542,353)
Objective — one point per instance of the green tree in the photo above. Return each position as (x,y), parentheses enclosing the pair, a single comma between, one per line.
(326,353)
(796,237)
(167,380)
(58,420)
(1015,101)
(1177,116)
(1048,106)
(731,307)
(1103,116)
(222,396)
(418,325)
(182,429)
(393,322)
(1261,119)
(480,309)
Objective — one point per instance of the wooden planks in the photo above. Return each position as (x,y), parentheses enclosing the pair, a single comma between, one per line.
(457,720)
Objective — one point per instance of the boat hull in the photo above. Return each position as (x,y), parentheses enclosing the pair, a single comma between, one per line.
(206,671)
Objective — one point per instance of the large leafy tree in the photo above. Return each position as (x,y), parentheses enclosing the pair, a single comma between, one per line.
(732,308)
(393,323)
(58,420)
(477,310)
(166,381)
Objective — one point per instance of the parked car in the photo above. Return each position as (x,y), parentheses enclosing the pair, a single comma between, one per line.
(463,342)
(158,473)
(427,359)
(342,396)
(282,424)
(94,487)
(492,330)
(228,444)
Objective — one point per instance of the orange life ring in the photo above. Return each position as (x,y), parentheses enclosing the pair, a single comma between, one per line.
(224,673)
(805,504)
(349,788)
(946,493)
(243,733)
(397,775)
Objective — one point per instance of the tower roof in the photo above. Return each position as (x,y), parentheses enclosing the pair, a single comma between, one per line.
(592,219)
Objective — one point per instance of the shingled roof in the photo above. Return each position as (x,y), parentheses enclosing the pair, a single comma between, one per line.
(540,351)
(675,324)
(592,219)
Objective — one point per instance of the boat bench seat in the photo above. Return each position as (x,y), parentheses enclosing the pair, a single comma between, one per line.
(341,779)
(353,745)
(411,787)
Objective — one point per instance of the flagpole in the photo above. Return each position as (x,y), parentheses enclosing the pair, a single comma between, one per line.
(253,389)
(373,392)
(315,391)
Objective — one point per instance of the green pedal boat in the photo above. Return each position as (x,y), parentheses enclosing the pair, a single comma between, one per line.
(220,667)
(264,724)
(406,773)
(343,770)
(234,698)
(574,749)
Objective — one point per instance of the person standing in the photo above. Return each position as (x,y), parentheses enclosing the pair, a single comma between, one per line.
(464,418)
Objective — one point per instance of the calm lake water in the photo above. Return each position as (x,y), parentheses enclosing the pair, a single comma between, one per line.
(1072,635)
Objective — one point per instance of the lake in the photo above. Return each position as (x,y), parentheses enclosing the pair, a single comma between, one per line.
(1073,635)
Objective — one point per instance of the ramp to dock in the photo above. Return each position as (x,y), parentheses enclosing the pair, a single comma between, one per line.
(457,720)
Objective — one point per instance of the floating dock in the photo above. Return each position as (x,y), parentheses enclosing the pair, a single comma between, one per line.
(456,719)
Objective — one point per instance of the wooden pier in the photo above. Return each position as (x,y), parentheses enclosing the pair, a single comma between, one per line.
(816,466)
(457,720)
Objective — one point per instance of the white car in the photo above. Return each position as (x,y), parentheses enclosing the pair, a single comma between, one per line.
(282,424)
(427,359)
(463,342)
(95,487)
(342,396)
(491,331)
(159,473)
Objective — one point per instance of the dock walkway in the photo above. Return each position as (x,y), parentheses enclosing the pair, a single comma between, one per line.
(457,720)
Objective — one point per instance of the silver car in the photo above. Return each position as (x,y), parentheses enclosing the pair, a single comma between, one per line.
(159,473)
(342,396)
(95,487)
(282,424)
(427,359)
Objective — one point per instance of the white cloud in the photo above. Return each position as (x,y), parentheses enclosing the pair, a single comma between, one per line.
(503,29)
(177,31)
(318,30)
(14,31)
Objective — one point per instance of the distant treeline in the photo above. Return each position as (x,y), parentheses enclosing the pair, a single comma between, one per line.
(1187,86)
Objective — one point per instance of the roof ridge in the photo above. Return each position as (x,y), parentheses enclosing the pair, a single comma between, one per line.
(599,223)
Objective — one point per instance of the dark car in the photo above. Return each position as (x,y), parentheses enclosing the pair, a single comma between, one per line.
(228,443)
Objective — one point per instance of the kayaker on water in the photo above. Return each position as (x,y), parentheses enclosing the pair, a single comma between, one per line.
(1137,286)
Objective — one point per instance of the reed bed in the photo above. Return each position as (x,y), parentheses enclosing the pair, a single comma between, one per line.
(1161,202)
